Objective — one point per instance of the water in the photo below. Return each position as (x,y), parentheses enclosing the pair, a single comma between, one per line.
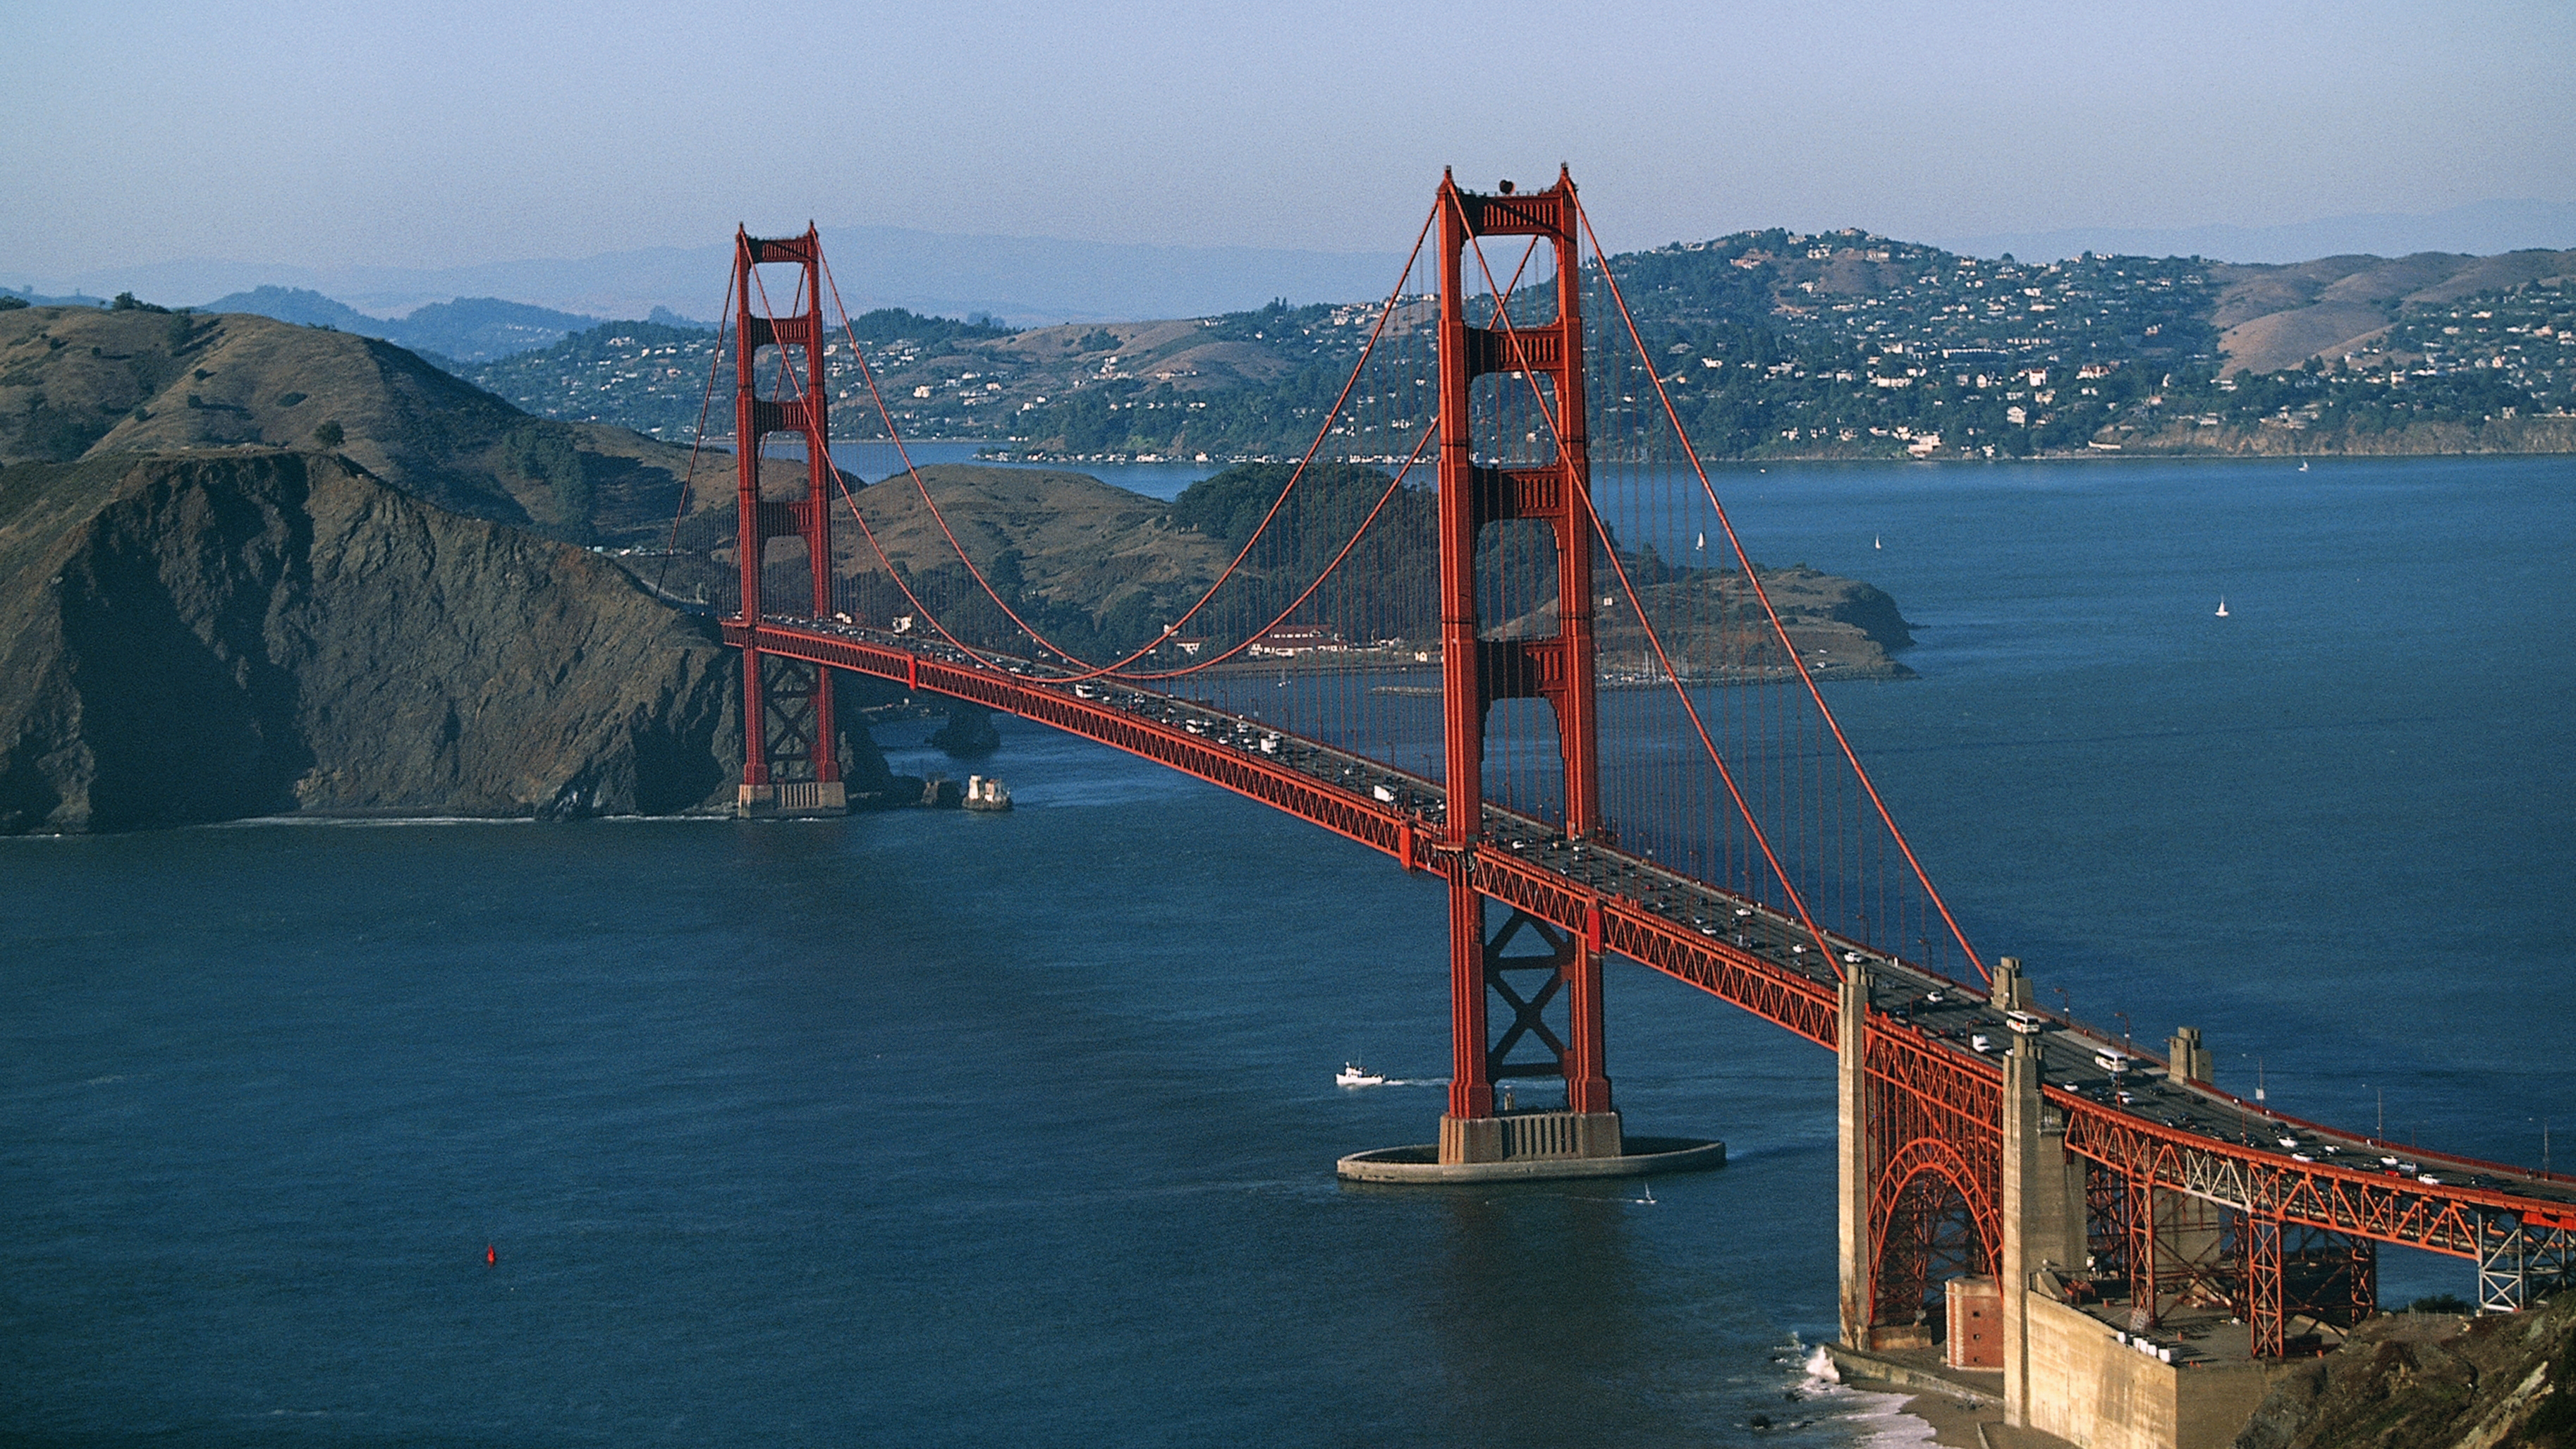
(954,1129)
(878,461)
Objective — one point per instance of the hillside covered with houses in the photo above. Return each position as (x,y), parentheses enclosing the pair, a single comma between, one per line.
(1771,344)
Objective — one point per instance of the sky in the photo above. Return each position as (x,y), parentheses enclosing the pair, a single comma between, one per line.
(450,133)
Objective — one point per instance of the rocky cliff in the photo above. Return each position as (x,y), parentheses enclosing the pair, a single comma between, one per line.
(206,636)
(2432,1381)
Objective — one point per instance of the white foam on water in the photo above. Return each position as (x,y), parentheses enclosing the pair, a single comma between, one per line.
(1877,1420)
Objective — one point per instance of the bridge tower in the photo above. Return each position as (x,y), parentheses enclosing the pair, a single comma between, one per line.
(790,754)
(1479,671)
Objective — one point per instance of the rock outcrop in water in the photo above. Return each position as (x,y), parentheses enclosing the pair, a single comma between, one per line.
(969,732)
(209,636)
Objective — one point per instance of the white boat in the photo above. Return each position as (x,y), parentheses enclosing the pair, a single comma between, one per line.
(1874,543)
(1353,1074)
(2222,606)
(2303,465)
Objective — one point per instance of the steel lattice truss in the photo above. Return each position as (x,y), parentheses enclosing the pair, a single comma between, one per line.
(2270,1186)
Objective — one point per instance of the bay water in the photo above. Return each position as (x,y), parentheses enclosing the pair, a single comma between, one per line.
(954,1129)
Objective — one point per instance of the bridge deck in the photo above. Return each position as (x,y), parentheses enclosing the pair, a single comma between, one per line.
(2185,1136)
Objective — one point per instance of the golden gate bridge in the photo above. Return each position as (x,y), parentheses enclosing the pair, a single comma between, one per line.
(1500,513)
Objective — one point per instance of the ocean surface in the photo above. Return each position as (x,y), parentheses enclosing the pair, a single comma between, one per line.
(878,461)
(945,1129)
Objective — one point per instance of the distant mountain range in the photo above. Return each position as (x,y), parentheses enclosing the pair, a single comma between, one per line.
(1028,281)
(1038,281)
(469,329)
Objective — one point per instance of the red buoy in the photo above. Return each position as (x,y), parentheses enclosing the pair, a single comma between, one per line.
(491,1255)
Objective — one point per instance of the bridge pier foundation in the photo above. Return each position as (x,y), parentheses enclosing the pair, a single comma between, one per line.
(1528,1136)
(809,797)
(1485,968)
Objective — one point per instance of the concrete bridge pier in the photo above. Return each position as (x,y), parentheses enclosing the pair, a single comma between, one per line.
(2028,1204)
(1852,1154)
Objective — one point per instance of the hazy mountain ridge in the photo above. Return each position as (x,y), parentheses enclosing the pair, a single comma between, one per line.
(1033,280)
(1042,280)
(469,329)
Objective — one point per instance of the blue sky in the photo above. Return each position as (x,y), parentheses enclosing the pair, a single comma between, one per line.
(448,134)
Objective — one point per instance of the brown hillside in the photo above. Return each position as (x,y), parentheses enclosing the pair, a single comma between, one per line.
(79,382)
(2273,317)
(1216,364)
(2288,338)
(1080,541)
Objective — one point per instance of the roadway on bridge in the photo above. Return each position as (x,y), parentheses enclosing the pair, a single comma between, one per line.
(2422,1199)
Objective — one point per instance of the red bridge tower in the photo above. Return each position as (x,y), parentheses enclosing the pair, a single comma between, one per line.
(790,754)
(1547,356)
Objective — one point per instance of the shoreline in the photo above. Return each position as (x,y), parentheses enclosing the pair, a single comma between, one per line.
(1070,462)
(1963,1412)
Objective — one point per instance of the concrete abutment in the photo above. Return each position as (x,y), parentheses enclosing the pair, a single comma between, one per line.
(2065,1372)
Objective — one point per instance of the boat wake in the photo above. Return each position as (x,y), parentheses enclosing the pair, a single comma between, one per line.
(1355,1076)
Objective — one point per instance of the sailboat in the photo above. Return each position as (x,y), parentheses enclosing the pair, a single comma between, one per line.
(1874,543)
(2303,465)
(2222,606)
